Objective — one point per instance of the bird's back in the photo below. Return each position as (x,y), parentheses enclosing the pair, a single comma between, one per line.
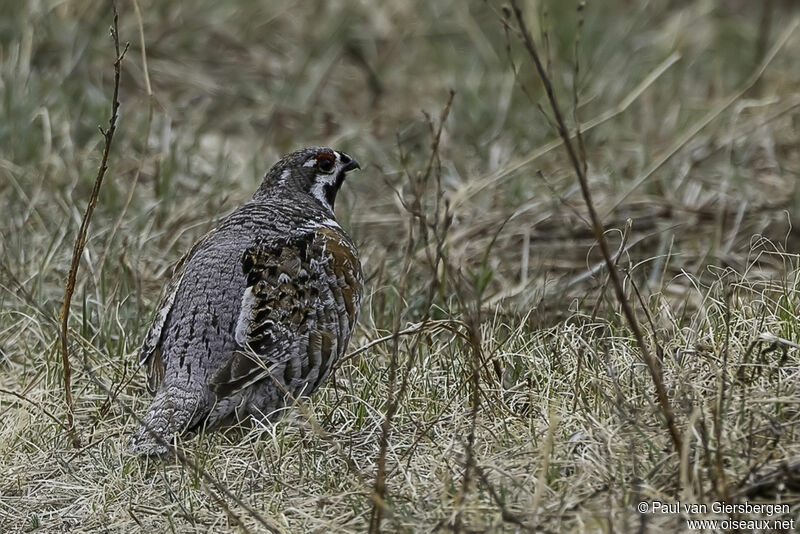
(200,327)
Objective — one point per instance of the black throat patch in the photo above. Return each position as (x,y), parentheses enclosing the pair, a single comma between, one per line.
(330,190)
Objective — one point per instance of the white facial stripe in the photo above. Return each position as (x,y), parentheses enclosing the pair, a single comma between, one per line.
(285,174)
(319,194)
(318,189)
(323,180)
(328,179)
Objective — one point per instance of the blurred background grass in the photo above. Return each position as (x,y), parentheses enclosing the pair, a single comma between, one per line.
(236,84)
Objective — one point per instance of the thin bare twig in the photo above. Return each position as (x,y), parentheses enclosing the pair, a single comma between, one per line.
(505,513)
(720,479)
(476,355)
(575,77)
(626,232)
(597,227)
(416,214)
(151,101)
(426,325)
(80,240)
(379,490)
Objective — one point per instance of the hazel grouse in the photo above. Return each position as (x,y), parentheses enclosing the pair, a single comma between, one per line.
(260,308)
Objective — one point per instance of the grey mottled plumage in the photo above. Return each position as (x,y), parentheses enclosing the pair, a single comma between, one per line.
(259,309)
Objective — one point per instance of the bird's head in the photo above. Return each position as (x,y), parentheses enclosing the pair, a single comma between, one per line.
(315,172)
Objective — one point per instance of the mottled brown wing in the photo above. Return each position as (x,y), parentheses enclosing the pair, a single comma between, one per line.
(344,272)
(291,310)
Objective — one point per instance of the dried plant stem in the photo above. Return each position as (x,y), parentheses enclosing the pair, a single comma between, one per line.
(379,490)
(626,233)
(416,215)
(143,158)
(475,402)
(599,232)
(80,240)
(547,450)
(505,513)
(426,325)
(720,480)
(140,23)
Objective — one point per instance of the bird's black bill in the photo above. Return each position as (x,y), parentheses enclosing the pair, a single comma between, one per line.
(350,164)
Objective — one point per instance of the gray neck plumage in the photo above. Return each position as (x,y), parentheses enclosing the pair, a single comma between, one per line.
(288,188)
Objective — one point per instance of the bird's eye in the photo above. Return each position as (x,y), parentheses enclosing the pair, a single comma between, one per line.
(325,162)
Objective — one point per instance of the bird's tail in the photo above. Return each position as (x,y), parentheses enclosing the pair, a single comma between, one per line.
(174,410)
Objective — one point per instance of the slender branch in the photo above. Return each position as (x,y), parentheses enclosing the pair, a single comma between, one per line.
(80,240)
(416,213)
(441,324)
(720,480)
(597,226)
(626,232)
(505,513)
(379,490)
(143,158)
(476,355)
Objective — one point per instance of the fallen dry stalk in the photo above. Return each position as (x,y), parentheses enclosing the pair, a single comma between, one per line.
(426,325)
(41,408)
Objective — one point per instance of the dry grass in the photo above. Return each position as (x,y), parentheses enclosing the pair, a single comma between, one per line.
(690,129)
